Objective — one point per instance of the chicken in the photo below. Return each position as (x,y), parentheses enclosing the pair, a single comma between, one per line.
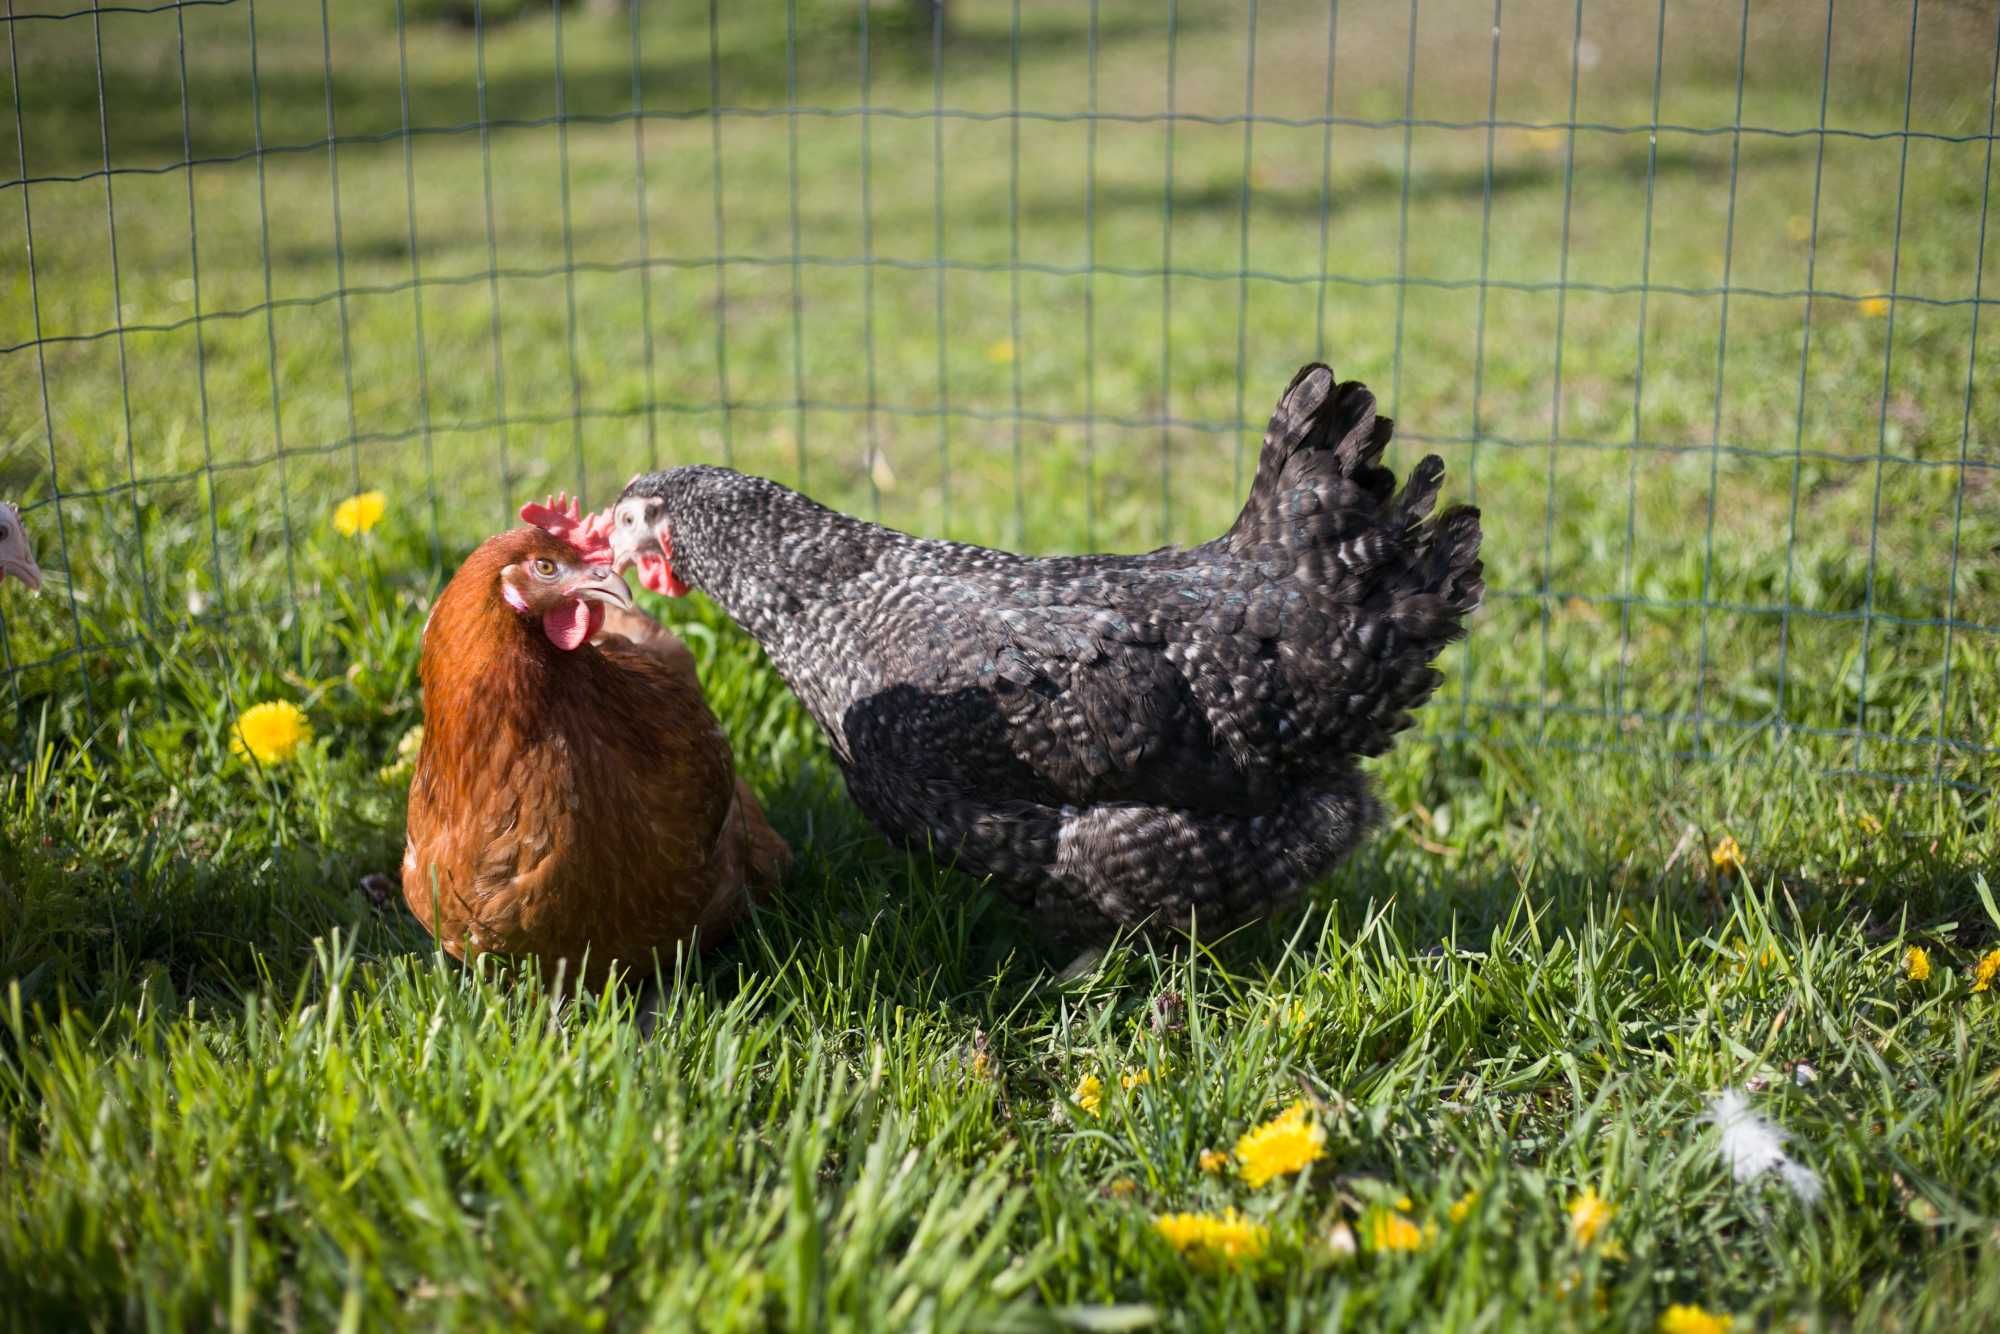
(574,795)
(1114,739)
(16,556)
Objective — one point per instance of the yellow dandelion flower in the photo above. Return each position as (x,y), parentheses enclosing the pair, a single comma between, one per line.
(357,514)
(1388,1230)
(1287,1014)
(1225,1239)
(1183,1231)
(1002,352)
(1683,1319)
(1237,1238)
(1727,856)
(270,733)
(1917,963)
(1213,1161)
(1405,1203)
(1765,956)
(1132,1079)
(981,1065)
(1089,1094)
(1877,306)
(1281,1146)
(1589,1214)
(1124,1188)
(1986,970)
(1462,1207)
(1868,823)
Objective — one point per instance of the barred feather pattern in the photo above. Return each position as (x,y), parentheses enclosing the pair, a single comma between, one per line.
(1116,739)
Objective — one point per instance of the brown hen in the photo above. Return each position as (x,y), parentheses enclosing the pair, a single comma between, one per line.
(575,799)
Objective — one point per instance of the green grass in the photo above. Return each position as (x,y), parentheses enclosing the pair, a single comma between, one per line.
(232,1091)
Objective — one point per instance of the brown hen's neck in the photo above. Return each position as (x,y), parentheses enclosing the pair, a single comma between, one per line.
(486,667)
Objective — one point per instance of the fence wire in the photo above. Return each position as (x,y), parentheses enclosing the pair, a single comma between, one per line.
(1608,629)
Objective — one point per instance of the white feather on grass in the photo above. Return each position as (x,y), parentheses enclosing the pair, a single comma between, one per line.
(1753,1146)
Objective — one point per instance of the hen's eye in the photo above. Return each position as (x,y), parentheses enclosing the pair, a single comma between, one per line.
(545,568)
(3,532)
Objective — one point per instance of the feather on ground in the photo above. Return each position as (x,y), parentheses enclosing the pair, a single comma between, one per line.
(1752,1146)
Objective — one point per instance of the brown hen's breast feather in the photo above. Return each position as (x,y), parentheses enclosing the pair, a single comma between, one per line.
(573,804)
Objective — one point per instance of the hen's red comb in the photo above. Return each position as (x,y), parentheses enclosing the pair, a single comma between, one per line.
(562,516)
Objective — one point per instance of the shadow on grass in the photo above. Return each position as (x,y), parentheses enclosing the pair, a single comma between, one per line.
(293,104)
(1363,186)
(1372,182)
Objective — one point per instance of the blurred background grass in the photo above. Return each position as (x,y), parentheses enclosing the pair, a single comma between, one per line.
(1713,502)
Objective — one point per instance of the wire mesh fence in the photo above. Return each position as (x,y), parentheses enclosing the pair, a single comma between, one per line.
(1688,297)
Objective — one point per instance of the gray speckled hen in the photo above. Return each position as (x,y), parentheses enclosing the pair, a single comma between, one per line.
(1113,738)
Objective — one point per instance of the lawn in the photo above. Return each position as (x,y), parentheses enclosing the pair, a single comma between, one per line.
(1724,398)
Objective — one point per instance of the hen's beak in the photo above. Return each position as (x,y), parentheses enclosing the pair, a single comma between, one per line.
(24,569)
(600,583)
(628,544)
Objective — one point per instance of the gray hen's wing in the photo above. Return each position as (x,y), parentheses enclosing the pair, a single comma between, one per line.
(1049,691)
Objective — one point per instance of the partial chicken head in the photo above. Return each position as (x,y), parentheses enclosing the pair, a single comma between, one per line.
(16,556)
(566,590)
(561,516)
(642,534)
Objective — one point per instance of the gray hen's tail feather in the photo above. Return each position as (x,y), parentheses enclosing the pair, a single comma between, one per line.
(1328,439)
(1322,492)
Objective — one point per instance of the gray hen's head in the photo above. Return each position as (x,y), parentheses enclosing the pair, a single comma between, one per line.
(685,508)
